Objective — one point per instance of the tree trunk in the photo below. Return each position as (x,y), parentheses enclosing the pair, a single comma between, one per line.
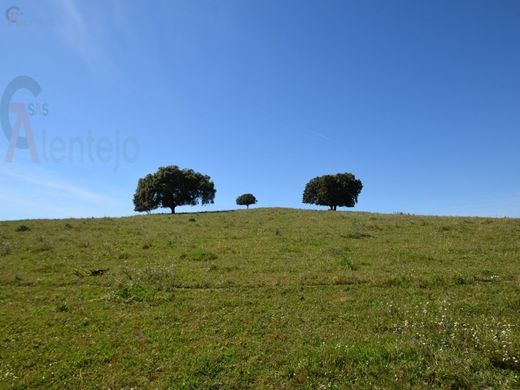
(247,205)
(173,209)
(335,207)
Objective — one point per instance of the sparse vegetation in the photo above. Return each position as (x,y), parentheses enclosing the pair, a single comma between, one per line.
(268,298)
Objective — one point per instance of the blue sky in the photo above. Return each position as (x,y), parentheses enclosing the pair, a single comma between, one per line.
(419,99)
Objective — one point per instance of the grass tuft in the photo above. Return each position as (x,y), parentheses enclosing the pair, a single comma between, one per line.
(23,228)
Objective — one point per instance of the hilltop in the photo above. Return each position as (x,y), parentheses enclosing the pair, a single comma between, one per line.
(269,298)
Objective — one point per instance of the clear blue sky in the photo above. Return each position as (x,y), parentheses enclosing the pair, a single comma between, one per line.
(419,99)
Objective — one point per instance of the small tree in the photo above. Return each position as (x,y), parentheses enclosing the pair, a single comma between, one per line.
(246,200)
(170,187)
(341,189)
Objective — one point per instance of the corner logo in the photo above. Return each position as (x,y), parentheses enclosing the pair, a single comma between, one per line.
(21,117)
(12,14)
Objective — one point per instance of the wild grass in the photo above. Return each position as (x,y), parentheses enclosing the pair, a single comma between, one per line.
(265,298)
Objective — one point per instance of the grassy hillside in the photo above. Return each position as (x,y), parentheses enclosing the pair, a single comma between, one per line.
(266,298)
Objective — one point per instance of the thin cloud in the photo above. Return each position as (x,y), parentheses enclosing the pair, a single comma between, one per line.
(320,135)
(26,204)
(79,36)
(64,188)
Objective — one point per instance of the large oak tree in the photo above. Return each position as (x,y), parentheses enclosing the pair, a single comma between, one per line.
(170,187)
(333,191)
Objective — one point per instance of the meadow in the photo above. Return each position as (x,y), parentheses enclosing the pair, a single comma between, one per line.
(261,298)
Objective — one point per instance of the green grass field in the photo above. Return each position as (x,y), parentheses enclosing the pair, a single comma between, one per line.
(264,298)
